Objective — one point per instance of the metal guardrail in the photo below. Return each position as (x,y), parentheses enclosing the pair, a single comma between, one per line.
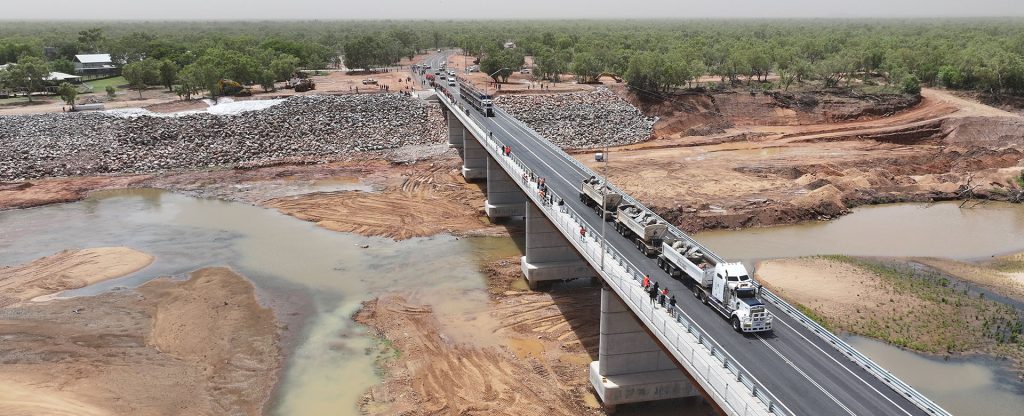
(883,375)
(679,337)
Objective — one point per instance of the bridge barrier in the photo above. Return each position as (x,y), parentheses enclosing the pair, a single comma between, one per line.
(732,387)
(904,389)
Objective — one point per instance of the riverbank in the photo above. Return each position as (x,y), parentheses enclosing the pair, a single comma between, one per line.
(904,302)
(199,346)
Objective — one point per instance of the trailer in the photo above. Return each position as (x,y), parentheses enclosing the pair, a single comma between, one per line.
(593,191)
(477,99)
(725,287)
(642,227)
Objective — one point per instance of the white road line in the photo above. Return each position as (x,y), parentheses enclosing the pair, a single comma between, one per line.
(802,373)
(844,367)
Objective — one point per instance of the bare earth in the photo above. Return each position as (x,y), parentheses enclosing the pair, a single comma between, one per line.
(527,355)
(69,269)
(203,346)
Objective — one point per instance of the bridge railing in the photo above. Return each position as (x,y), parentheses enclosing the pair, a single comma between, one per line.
(904,389)
(723,376)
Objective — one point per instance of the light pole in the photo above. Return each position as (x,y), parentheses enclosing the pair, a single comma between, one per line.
(604,205)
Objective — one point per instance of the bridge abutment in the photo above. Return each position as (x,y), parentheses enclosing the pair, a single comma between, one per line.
(631,366)
(548,255)
(474,157)
(504,198)
(455,132)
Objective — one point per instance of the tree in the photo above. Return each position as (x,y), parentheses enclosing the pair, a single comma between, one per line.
(111,91)
(90,39)
(68,93)
(63,65)
(587,67)
(199,76)
(168,73)
(141,73)
(911,85)
(500,64)
(28,73)
(266,80)
(283,67)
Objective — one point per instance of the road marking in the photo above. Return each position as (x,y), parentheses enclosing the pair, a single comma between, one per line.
(844,367)
(802,373)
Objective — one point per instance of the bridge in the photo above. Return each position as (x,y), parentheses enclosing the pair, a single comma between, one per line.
(645,352)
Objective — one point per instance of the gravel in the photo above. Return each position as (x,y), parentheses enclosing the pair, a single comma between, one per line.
(305,127)
(580,120)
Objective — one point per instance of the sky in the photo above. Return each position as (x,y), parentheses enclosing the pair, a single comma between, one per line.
(509,9)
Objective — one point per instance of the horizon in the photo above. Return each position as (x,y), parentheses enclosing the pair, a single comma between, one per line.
(431,10)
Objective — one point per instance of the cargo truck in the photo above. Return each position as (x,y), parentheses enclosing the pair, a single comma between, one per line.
(642,227)
(593,191)
(725,287)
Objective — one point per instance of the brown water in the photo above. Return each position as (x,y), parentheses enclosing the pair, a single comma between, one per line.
(938,230)
(327,368)
(964,386)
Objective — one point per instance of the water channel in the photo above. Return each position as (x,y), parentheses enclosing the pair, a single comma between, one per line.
(327,369)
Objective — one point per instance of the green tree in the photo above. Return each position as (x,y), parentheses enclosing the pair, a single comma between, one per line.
(283,67)
(199,76)
(499,65)
(911,85)
(587,67)
(111,91)
(68,93)
(63,65)
(141,73)
(28,73)
(266,80)
(90,39)
(168,73)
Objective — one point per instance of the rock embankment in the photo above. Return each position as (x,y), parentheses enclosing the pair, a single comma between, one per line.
(580,120)
(306,127)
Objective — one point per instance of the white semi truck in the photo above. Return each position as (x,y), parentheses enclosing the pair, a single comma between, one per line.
(593,191)
(725,287)
(642,227)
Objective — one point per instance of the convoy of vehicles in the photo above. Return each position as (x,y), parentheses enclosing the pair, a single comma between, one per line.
(725,287)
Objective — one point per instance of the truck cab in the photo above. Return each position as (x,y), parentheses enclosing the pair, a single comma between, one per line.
(737,293)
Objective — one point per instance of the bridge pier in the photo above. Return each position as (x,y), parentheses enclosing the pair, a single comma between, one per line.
(631,365)
(474,157)
(504,198)
(456,132)
(548,255)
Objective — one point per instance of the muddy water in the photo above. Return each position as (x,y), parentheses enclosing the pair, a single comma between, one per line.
(327,367)
(938,230)
(963,386)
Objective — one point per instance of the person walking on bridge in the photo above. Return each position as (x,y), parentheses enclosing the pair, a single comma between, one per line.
(653,292)
(583,233)
(647,281)
(672,306)
(663,297)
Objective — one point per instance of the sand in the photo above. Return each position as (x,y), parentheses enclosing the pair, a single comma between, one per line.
(69,269)
(204,346)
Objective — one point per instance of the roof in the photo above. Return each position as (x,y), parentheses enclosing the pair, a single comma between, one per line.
(60,76)
(96,58)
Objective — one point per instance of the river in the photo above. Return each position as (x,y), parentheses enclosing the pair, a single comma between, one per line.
(327,368)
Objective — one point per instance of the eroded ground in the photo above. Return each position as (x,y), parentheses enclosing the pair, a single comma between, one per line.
(203,346)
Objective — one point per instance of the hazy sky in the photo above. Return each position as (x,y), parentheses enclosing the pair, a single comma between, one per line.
(476,9)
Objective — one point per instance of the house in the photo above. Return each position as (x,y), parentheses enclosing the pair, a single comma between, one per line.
(97,64)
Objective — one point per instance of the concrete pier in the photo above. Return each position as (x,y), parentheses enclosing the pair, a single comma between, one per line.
(504,198)
(455,132)
(548,255)
(631,366)
(474,157)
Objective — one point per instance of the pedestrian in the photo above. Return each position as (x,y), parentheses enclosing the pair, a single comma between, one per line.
(661,299)
(672,306)
(583,233)
(664,296)
(647,281)
(653,293)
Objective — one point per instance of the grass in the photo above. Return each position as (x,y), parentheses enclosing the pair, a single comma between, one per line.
(930,312)
(13,100)
(99,86)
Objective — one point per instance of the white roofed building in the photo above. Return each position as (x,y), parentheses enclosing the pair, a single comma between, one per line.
(94,64)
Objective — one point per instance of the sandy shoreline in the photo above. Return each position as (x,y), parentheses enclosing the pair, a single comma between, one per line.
(199,346)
